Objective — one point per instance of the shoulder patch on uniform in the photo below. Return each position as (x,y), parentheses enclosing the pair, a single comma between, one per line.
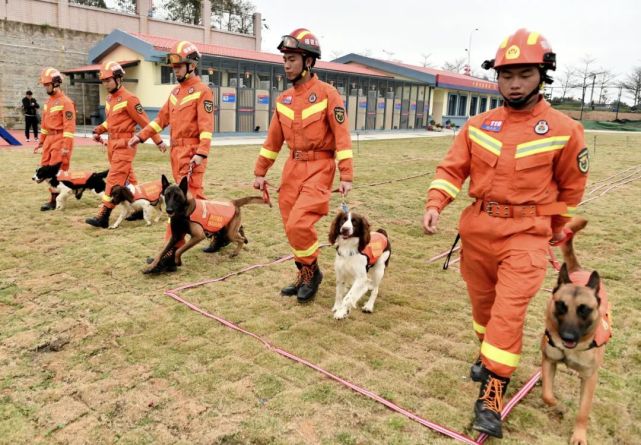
(209,106)
(139,109)
(69,115)
(339,114)
(583,160)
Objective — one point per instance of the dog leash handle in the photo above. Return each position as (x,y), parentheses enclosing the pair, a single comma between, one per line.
(266,198)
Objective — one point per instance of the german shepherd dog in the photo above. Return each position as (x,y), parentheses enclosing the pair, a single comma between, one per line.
(577,328)
(65,185)
(180,206)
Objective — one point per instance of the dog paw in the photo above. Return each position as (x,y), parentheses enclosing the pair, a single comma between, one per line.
(335,308)
(550,400)
(579,437)
(341,313)
(113,227)
(368,308)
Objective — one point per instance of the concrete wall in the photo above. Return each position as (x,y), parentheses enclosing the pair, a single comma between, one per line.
(25,50)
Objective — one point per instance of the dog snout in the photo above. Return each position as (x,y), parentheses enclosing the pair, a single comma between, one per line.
(345,231)
(569,335)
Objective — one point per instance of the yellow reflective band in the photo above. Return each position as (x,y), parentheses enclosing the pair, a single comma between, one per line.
(541,146)
(446,186)
(499,355)
(155,126)
(120,105)
(67,134)
(105,124)
(282,109)
(532,38)
(106,198)
(173,99)
(268,153)
(486,141)
(322,105)
(478,328)
(49,71)
(344,154)
(571,212)
(306,252)
(43,131)
(302,34)
(504,42)
(191,97)
(58,108)
(181,45)
(107,106)
(205,135)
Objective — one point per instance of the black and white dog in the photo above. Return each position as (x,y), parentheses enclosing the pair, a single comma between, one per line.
(361,259)
(67,183)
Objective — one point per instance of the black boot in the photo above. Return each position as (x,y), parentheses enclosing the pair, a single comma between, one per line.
(476,370)
(219,241)
(312,278)
(102,219)
(135,216)
(292,289)
(166,264)
(51,205)
(488,407)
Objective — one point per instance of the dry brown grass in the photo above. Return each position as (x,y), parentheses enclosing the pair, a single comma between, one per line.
(91,351)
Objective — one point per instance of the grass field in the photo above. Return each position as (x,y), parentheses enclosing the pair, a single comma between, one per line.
(92,351)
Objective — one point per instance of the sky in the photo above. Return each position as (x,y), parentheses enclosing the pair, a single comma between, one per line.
(408,30)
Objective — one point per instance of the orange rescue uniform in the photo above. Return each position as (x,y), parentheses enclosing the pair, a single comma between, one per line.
(527,172)
(189,111)
(58,127)
(123,111)
(311,118)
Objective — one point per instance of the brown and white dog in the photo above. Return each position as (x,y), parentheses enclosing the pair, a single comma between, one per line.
(577,328)
(146,197)
(361,259)
(67,183)
(200,219)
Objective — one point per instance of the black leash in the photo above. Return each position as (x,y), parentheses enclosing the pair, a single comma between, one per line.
(446,264)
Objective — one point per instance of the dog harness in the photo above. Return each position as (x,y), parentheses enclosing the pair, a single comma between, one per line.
(604,327)
(78,179)
(375,248)
(212,215)
(149,190)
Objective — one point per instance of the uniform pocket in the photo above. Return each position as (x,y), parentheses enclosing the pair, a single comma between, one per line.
(533,172)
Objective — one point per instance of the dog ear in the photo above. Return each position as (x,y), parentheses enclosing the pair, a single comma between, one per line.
(594,283)
(366,237)
(334,228)
(164,182)
(564,277)
(184,185)
(103,174)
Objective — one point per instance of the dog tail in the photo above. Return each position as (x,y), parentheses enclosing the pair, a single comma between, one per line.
(569,255)
(388,248)
(248,200)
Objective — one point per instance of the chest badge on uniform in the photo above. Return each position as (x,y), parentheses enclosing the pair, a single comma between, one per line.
(312,98)
(119,99)
(108,98)
(191,90)
(176,90)
(490,125)
(541,127)
(287,100)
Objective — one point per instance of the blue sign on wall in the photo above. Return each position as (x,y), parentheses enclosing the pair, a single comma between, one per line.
(362,104)
(397,106)
(262,99)
(381,105)
(229,98)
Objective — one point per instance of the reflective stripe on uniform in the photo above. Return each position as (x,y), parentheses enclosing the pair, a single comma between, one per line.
(571,212)
(478,328)
(499,355)
(67,134)
(173,99)
(155,126)
(541,146)
(57,108)
(205,135)
(191,97)
(107,107)
(120,105)
(344,154)
(307,252)
(268,153)
(106,198)
(286,111)
(307,112)
(105,124)
(486,141)
(446,186)
(44,131)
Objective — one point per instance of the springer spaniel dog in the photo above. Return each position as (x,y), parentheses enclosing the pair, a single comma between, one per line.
(361,259)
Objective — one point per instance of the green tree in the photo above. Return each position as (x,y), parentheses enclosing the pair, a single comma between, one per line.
(95,3)
(185,11)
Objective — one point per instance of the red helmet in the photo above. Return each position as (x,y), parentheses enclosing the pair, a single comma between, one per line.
(111,69)
(50,75)
(302,41)
(523,48)
(183,52)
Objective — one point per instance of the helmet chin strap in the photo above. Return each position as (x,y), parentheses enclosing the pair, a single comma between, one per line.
(522,102)
(187,74)
(118,85)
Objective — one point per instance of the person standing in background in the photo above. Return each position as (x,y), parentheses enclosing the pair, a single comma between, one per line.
(29,108)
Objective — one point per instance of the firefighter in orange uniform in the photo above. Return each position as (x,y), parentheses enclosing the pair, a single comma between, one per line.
(528,168)
(311,118)
(123,111)
(189,112)
(58,127)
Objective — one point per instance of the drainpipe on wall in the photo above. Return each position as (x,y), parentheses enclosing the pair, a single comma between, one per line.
(144,8)
(258,29)
(206,15)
